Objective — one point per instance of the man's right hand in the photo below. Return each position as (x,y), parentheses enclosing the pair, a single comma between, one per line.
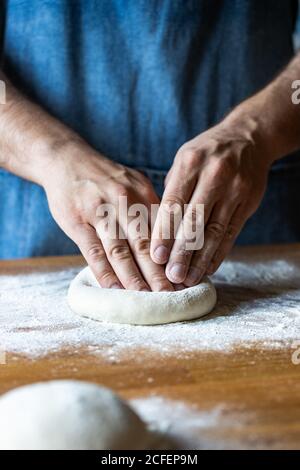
(77,184)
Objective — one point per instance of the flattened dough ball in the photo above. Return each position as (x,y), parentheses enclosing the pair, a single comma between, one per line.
(68,415)
(87,298)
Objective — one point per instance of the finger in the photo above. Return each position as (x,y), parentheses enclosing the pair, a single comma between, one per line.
(179,260)
(153,273)
(215,231)
(139,242)
(92,249)
(179,287)
(135,223)
(181,182)
(233,229)
(168,176)
(128,252)
(120,257)
(197,213)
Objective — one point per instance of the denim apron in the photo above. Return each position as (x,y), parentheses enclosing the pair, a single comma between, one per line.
(137,79)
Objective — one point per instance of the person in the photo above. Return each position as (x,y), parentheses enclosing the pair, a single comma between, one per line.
(117,98)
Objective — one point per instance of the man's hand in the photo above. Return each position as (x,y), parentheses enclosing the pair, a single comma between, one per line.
(77,185)
(226,170)
(77,180)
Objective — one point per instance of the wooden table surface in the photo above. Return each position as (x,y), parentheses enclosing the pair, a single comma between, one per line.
(258,387)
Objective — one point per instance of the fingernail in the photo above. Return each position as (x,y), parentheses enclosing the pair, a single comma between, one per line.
(161,253)
(116,286)
(177,272)
(194,276)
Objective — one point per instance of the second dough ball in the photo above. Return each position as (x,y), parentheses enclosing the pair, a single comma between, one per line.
(68,415)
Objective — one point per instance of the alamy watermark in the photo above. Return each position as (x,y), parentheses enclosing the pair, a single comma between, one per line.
(296,353)
(2,92)
(296,94)
(2,357)
(137,221)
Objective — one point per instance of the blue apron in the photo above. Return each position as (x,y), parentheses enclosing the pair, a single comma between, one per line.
(137,79)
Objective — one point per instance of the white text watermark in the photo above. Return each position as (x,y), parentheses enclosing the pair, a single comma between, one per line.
(2,92)
(136,221)
(296,353)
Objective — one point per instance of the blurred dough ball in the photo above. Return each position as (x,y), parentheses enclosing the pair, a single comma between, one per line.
(68,415)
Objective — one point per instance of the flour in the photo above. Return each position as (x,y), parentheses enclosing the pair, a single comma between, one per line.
(186,426)
(257,302)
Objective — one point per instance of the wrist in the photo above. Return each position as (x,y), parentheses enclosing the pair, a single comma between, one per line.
(54,158)
(249,121)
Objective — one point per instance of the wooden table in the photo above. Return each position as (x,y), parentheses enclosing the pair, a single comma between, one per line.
(259,387)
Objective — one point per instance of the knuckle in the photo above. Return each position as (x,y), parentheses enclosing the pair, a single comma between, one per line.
(182,252)
(216,229)
(231,232)
(159,279)
(95,252)
(121,190)
(190,156)
(104,277)
(194,216)
(173,203)
(119,252)
(135,282)
(142,246)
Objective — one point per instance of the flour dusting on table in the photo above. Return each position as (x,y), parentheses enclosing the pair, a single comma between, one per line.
(257,302)
(185,426)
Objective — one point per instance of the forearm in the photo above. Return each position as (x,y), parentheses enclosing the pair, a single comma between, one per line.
(274,121)
(30,138)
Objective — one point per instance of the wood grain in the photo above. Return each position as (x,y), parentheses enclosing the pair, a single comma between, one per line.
(257,389)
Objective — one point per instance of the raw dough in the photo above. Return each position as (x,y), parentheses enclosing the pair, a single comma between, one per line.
(87,298)
(68,415)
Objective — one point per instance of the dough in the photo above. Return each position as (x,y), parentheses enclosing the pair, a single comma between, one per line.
(68,415)
(87,298)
